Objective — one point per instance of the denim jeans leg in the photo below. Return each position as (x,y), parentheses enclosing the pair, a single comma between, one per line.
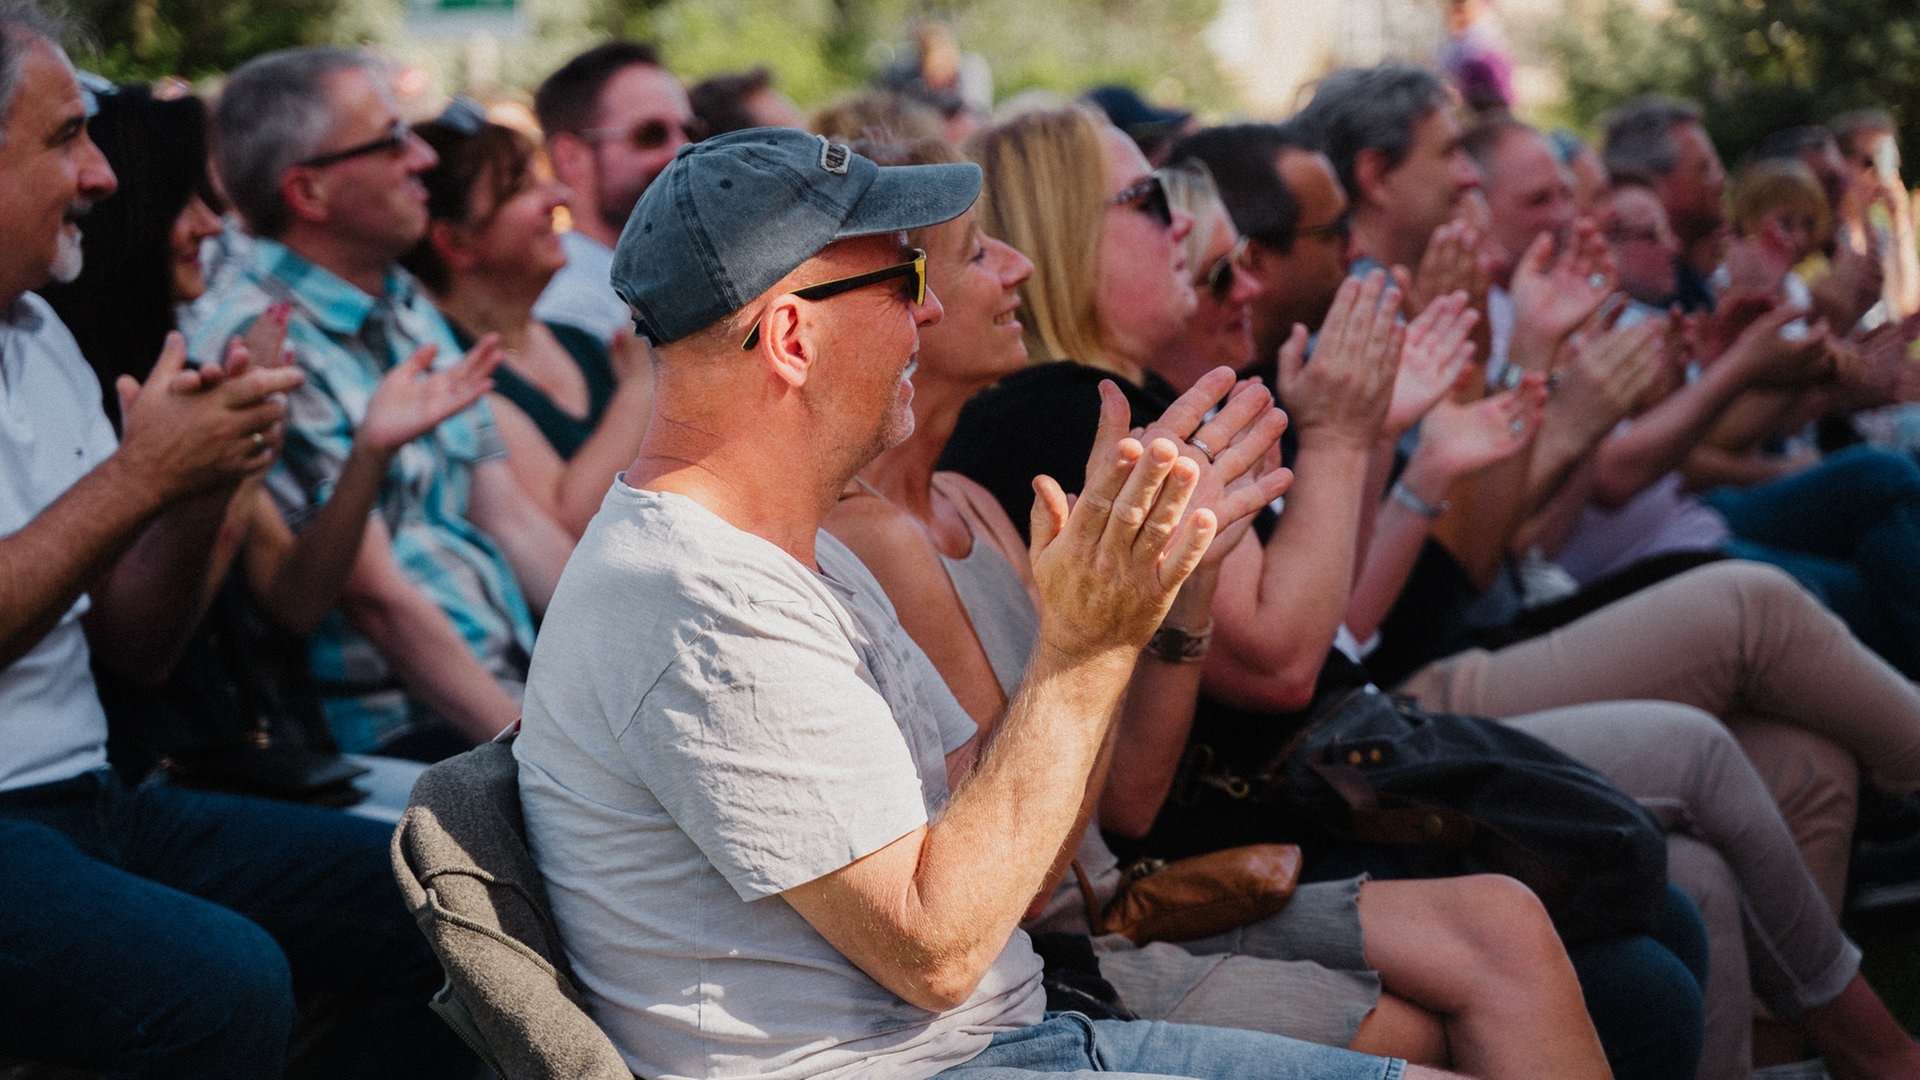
(321,883)
(1068,1044)
(106,970)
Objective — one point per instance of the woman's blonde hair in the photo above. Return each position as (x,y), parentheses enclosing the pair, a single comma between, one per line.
(1779,186)
(1190,187)
(1046,189)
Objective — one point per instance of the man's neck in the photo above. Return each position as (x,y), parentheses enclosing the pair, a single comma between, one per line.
(730,476)
(363,270)
(1384,243)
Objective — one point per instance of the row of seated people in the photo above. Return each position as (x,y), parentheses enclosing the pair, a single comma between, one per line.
(419,536)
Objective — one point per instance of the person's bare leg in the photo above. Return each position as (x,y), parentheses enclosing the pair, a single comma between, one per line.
(1396,1028)
(1858,1039)
(1480,953)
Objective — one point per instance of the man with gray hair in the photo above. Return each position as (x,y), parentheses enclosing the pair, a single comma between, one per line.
(1394,140)
(150,931)
(774,842)
(427,651)
(1660,142)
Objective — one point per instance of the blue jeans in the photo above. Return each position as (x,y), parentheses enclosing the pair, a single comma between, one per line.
(160,932)
(1849,530)
(1644,993)
(1071,1045)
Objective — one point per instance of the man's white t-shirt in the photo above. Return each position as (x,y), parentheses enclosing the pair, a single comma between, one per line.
(709,723)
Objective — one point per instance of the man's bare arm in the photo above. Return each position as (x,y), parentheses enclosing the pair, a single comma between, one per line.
(927,915)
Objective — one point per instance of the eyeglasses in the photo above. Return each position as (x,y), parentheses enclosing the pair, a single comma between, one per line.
(650,134)
(1340,228)
(1219,277)
(915,290)
(394,141)
(1149,196)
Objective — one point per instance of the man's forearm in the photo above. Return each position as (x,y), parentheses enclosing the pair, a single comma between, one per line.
(431,659)
(146,607)
(65,550)
(1660,439)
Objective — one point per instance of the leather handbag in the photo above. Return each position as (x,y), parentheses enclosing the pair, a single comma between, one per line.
(1197,897)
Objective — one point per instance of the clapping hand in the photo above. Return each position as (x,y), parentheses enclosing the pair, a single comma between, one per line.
(1437,348)
(412,398)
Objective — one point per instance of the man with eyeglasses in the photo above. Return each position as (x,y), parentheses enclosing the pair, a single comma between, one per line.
(426,653)
(614,116)
(1286,201)
(150,930)
(772,840)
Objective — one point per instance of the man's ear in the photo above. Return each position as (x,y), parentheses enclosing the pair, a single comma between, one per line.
(786,339)
(572,160)
(1370,176)
(305,193)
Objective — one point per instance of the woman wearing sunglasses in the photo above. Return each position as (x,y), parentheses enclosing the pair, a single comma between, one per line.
(1266,596)
(570,410)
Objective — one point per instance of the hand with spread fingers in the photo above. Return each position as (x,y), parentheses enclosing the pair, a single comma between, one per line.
(1451,263)
(412,398)
(1343,393)
(188,431)
(1235,448)
(1439,344)
(1466,437)
(1108,567)
(1608,378)
(1554,294)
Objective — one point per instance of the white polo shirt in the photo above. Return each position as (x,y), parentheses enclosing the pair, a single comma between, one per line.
(52,432)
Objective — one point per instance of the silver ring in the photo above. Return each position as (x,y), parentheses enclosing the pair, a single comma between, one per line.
(1596,280)
(259,440)
(1202,447)
(1518,427)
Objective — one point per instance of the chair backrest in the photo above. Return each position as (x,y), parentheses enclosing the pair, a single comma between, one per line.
(461,857)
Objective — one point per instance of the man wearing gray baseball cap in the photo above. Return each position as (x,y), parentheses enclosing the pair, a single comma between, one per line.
(774,843)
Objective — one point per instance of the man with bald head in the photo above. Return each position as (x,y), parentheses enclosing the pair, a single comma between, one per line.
(774,841)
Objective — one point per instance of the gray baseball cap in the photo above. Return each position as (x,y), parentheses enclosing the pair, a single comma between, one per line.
(729,217)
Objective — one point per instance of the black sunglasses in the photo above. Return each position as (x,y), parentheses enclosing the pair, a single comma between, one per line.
(1149,196)
(650,134)
(394,141)
(1219,276)
(915,290)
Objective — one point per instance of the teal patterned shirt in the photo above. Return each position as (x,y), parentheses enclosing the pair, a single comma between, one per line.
(345,340)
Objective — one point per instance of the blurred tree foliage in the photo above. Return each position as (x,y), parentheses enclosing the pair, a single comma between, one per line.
(817,49)
(1754,65)
(144,39)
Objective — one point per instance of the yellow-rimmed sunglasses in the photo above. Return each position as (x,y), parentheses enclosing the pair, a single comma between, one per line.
(914,270)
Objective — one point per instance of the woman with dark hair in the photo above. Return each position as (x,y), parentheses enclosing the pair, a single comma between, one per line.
(571,411)
(141,258)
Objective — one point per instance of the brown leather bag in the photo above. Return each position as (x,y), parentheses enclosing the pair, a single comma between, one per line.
(1199,896)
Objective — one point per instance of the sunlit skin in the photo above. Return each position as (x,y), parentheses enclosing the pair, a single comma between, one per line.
(1141,284)
(55,172)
